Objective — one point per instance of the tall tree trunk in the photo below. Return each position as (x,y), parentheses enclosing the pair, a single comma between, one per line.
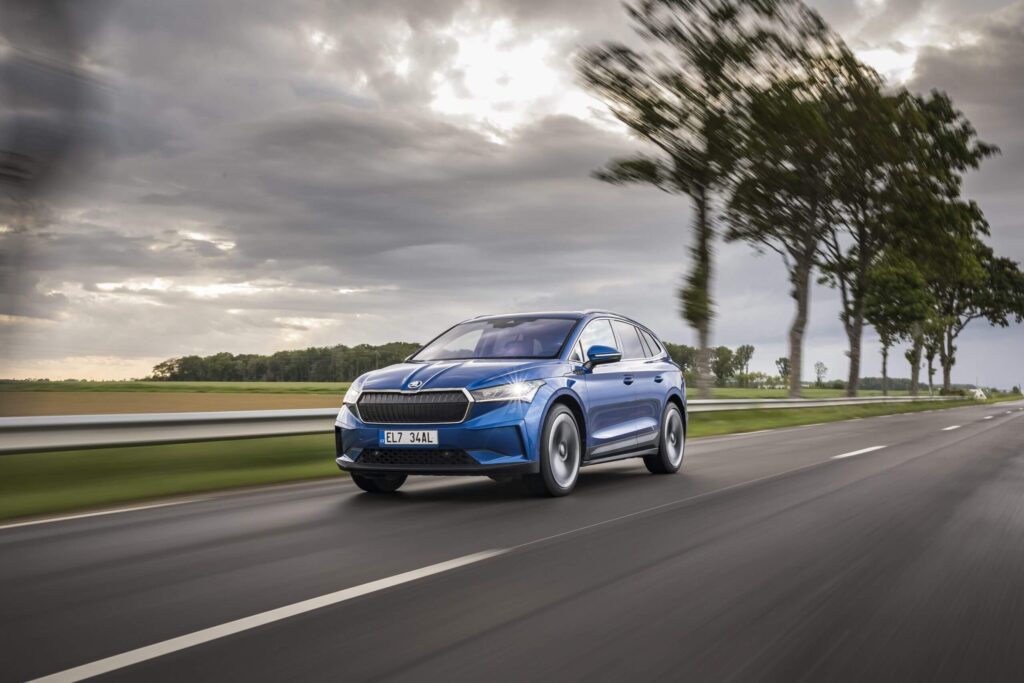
(704,378)
(854,332)
(931,375)
(947,353)
(885,369)
(914,357)
(696,293)
(854,321)
(801,278)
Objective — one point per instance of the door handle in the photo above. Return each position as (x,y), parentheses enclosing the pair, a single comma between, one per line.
(659,378)
(628,379)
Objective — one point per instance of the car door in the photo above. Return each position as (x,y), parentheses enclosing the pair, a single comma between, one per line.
(659,377)
(641,381)
(610,411)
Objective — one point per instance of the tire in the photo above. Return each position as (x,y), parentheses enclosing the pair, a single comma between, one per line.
(388,483)
(561,453)
(671,444)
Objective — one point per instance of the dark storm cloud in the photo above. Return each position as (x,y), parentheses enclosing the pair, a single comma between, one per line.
(985,79)
(281,176)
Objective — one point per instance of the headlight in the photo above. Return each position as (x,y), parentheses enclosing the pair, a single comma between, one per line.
(515,391)
(352,395)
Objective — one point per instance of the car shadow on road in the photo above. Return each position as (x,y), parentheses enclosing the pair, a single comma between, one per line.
(481,490)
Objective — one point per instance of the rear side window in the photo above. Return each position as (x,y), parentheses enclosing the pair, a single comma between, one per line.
(630,340)
(597,333)
(652,343)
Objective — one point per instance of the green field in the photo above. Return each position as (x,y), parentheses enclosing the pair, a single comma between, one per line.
(47,483)
(335,388)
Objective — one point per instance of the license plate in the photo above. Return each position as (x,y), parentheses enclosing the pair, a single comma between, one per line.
(419,437)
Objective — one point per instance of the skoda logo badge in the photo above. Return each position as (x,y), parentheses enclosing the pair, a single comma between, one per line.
(415,384)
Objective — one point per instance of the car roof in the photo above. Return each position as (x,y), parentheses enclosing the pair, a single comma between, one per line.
(574,315)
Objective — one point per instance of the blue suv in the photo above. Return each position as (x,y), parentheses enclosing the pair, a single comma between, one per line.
(536,395)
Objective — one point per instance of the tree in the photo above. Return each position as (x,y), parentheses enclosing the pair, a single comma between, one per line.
(896,302)
(743,355)
(820,372)
(337,364)
(681,100)
(783,366)
(990,288)
(783,196)
(684,356)
(897,150)
(724,365)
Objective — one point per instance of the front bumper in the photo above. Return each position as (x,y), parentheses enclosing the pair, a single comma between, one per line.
(513,470)
(498,437)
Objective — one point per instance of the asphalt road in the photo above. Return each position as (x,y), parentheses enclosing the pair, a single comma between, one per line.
(766,559)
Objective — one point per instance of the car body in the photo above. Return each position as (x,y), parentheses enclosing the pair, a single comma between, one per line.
(487,397)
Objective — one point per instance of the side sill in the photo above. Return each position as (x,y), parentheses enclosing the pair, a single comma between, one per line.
(621,456)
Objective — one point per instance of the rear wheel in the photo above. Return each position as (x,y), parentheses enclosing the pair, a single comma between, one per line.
(561,451)
(388,483)
(671,445)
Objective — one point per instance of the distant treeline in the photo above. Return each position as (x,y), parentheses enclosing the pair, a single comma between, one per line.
(345,363)
(315,364)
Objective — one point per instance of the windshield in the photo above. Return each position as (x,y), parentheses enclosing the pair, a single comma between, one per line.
(513,337)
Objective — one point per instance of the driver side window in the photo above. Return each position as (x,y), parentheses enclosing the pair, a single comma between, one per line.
(597,333)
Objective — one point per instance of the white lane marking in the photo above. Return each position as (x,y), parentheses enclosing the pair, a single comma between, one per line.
(142,654)
(950,428)
(98,513)
(860,452)
(989,417)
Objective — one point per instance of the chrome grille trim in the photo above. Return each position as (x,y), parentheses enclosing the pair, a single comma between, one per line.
(404,392)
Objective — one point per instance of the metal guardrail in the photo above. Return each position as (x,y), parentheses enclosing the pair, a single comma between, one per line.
(719,404)
(69,432)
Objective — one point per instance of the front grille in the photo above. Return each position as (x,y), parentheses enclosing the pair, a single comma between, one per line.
(427,407)
(416,456)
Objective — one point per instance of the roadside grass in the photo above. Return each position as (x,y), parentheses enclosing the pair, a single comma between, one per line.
(63,481)
(738,421)
(60,481)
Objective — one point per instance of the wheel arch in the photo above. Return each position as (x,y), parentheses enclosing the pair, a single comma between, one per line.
(678,400)
(573,403)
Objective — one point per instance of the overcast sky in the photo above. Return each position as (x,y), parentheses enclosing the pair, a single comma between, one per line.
(269,175)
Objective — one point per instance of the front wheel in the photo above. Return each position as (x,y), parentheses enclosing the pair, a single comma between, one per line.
(561,451)
(671,445)
(383,484)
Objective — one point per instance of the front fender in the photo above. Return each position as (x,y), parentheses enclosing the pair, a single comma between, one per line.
(561,388)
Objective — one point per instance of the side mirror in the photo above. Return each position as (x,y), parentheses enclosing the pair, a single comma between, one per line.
(601,355)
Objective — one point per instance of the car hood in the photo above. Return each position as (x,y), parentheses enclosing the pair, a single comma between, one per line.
(455,374)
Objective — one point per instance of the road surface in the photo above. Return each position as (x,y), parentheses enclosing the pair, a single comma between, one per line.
(769,558)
